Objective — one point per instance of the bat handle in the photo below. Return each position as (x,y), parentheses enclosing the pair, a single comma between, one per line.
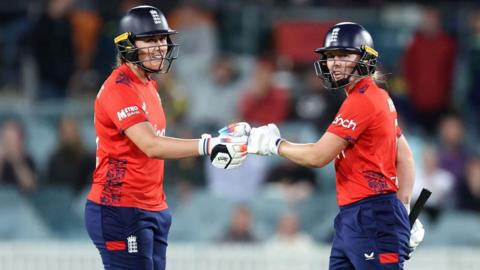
(419,204)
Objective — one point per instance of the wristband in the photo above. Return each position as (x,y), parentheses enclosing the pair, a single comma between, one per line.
(203,144)
(278,141)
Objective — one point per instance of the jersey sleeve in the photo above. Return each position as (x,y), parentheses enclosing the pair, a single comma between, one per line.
(123,106)
(353,118)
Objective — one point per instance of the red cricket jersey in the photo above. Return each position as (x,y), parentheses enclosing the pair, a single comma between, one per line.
(124,175)
(367,119)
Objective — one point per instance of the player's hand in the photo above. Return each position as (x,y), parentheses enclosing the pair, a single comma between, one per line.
(264,140)
(225,151)
(416,236)
(236,129)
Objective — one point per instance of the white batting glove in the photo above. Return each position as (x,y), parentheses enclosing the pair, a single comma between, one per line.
(264,140)
(417,233)
(226,152)
(236,129)
(416,236)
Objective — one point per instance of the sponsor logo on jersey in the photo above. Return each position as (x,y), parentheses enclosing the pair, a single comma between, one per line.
(127,112)
(158,132)
(346,123)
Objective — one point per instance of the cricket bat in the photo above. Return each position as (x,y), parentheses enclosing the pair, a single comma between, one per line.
(419,204)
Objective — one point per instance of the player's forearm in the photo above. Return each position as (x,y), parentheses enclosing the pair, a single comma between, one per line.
(171,148)
(315,155)
(405,171)
(406,179)
(161,147)
(302,154)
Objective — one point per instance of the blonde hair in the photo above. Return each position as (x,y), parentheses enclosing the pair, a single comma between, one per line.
(380,79)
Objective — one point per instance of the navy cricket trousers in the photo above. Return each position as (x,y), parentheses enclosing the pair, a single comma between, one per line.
(371,234)
(128,238)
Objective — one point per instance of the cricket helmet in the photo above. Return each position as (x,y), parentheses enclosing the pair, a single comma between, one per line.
(140,22)
(350,38)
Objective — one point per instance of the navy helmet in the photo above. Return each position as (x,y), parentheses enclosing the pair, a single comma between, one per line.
(140,22)
(350,38)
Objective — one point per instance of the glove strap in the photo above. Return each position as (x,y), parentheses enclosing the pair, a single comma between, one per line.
(203,144)
(277,145)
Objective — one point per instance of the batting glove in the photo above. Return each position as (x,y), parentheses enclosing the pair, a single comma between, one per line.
(236,129)
(264,140)
(417,233)
(226,152)
(416,236)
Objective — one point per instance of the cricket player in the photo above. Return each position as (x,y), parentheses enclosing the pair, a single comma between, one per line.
(126,213)
(373,161)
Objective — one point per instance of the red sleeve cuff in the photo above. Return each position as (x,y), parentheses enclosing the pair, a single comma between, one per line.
(131,121)
(347,137)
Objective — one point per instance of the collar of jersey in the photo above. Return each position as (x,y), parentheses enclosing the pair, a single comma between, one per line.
(125,69)
(364,82)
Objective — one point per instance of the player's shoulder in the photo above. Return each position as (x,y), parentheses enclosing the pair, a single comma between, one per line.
(117,82)
(117,89)
(361,96)
(368,93)
(364,87)
(118,79)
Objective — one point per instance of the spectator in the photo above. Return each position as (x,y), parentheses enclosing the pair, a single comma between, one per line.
(222,87)
(70,165)
(428,68)
(241,184)
(86,26)
(16,166)
(293,182)
(14,28)
(437,180)
(174,101)
(473,73)
(199,43)
(52,49)
(264,102)
(288,235)
(316,104)
(469,191)
(452,154)
(239,230)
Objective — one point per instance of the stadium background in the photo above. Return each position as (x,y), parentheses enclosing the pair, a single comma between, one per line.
(239,60)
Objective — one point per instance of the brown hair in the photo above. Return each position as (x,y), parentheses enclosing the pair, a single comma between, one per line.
(119,61)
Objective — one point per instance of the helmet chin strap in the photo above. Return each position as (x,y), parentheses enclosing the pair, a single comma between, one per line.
(150,58)
(342,83)
(345,82)
(148,70)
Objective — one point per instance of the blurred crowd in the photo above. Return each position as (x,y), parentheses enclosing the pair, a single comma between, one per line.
(238,63)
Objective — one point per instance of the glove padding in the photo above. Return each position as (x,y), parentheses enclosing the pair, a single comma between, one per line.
(264,140)
(236,129)
(416,236)
(228,156)
(229,149)
(416,233)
